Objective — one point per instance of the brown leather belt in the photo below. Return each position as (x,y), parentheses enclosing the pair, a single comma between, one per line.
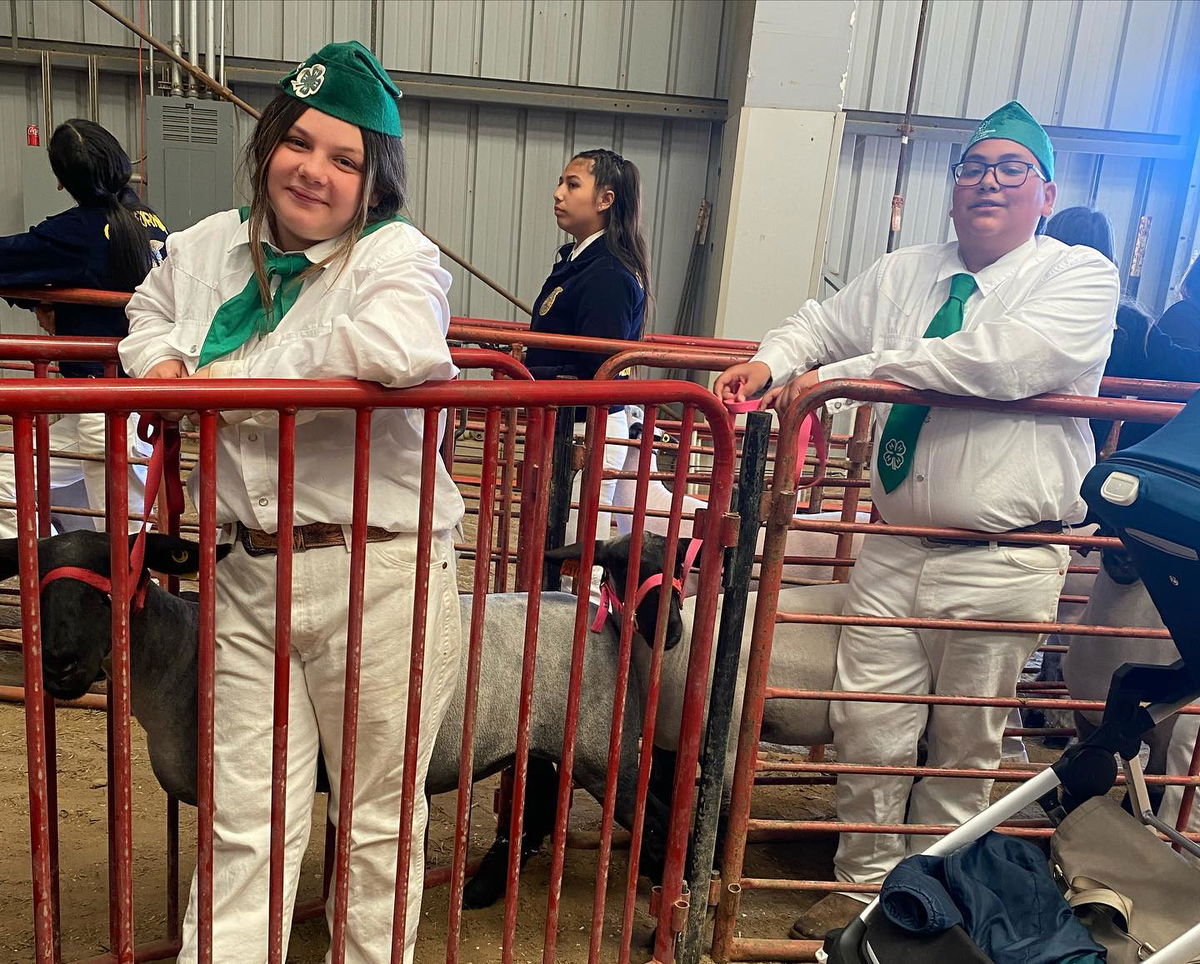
(315,535)
(1047,528)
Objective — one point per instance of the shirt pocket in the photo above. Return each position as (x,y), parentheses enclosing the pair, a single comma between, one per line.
(195,304)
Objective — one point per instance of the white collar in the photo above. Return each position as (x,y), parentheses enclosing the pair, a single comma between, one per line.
(315,254)
(987,278)
(580,245)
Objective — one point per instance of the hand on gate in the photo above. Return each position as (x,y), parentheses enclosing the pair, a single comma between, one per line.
(169,368)
(784,396)
(741,382)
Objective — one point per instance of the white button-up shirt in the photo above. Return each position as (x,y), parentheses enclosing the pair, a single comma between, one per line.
(1041,321)
(382,318)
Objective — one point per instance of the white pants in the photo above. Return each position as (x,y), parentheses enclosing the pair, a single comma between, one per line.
(84,434)
(244,686)
(901,577)
(1179,759)
(617,426)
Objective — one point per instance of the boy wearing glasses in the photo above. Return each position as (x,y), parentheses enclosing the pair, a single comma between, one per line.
(1002,314)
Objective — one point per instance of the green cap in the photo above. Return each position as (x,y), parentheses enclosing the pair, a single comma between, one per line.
(1012,122)
(345,81)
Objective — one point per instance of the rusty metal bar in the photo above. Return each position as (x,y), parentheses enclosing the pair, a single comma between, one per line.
(350,705)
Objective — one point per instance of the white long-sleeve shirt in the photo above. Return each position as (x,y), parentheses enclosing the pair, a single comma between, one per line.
(382,318)
(1041,320)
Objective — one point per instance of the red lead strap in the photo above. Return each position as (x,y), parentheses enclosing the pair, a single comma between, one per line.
(164,467)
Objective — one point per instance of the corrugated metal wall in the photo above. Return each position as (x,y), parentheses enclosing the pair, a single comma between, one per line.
(1109,65)
(660,46)
(481,175)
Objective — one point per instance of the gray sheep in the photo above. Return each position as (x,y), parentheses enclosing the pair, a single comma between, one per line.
(164,648)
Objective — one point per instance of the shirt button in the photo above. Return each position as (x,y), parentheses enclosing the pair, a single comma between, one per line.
(920,478)
(252,438)
(264,501)
(192,349)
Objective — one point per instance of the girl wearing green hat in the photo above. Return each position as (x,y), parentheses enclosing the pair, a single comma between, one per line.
(317,278)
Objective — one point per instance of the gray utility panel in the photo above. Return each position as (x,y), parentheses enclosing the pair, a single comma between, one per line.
(191,147)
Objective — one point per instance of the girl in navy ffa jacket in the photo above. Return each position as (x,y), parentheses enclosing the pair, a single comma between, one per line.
(109,240)
(599,285)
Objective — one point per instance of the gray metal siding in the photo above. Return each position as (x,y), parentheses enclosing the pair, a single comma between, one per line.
(1104,64)
(658,46)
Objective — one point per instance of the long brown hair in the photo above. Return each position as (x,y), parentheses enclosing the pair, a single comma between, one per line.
(623,220)
(383,185)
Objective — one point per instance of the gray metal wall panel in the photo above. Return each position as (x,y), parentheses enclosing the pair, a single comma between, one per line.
(1045,57)
(1104,64)
(457,37)
(943,83)
(1092,79)
(652,45)
(995,65)
(863,43)
(600,64)
(696,51)
(554,53)
(659,46)
(506,47)
(406,35)
(1138,88)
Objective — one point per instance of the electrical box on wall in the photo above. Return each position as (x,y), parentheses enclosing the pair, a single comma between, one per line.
(190,150)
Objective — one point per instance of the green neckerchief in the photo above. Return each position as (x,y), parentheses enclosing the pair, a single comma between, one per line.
(242,316)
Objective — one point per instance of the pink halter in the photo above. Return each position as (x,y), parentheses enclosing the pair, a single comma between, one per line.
(809,428)
(610,599)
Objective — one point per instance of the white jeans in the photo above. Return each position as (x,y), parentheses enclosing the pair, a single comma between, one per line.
(616,426)
(84,434)
(901,577)
(244,687)
(1179,759)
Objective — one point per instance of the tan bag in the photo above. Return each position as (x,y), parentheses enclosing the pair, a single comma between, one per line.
(1133,892)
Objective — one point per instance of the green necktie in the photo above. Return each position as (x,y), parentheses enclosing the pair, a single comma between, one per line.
(898,440)
(242,316)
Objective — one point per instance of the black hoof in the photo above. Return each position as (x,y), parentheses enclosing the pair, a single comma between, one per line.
(483,890)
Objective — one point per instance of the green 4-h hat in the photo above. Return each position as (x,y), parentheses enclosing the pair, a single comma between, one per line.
(1012,122)
(347,82)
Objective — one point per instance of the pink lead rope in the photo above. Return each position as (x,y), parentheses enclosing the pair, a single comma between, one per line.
(810,428)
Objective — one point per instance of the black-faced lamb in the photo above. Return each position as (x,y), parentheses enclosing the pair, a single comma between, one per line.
(164,635)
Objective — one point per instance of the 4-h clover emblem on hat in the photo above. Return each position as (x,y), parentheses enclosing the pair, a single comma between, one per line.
(309,80)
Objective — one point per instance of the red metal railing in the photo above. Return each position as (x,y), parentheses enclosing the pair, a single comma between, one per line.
(25,400)
(728,945)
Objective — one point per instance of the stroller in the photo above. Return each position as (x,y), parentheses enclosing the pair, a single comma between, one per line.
(1150,495)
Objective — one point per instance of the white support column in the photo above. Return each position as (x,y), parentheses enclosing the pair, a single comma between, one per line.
(780,151)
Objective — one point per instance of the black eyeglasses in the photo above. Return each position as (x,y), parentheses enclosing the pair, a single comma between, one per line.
(1008,173)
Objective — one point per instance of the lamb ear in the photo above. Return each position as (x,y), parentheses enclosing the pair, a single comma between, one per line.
(575,551)
(9,566)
